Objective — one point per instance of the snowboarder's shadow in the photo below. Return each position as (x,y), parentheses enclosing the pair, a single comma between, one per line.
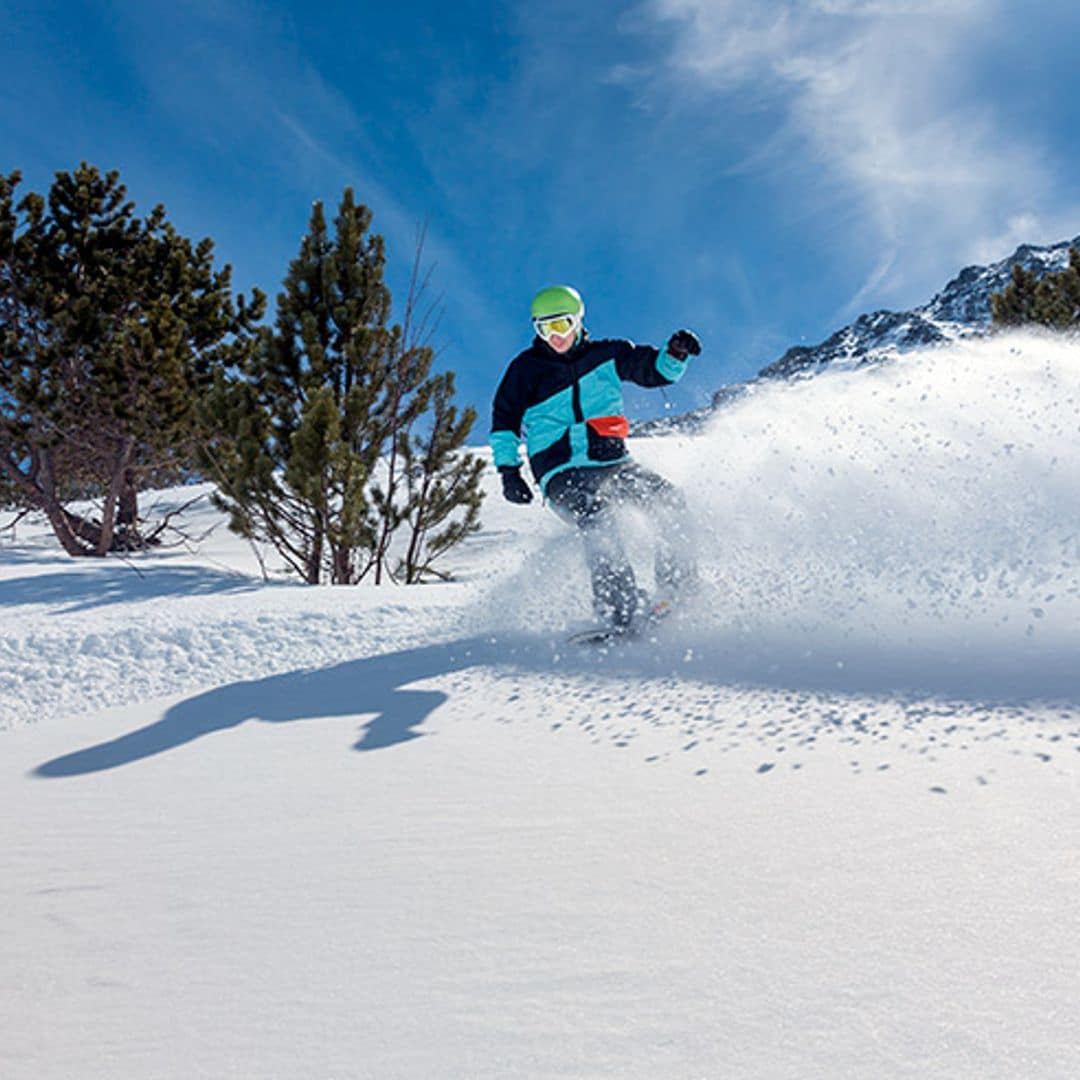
(381,687)
(355,688)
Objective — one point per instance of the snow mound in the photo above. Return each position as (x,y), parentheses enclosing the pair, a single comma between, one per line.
(911,525)
(81,635)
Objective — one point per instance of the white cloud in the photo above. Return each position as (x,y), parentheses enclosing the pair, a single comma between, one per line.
(897,7)
(878,110)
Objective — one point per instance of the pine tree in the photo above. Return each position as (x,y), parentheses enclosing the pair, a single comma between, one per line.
(443,482)
(314,431)
(288,473)
(110,329)
(1013,306)
(1053,300)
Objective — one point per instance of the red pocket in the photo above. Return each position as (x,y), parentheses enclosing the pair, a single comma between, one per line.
(611,427)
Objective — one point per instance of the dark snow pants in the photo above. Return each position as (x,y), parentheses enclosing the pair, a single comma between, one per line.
(590,498)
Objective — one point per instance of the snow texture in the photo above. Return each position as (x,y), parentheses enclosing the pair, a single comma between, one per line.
(823,823)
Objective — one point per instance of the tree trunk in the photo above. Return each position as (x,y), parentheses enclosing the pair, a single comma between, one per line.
(343,565)
(78,536)
(313,564)
(112,496)
(39,487)
(419,528)
(69,530)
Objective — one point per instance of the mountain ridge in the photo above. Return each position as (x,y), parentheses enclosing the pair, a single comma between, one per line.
(960,310)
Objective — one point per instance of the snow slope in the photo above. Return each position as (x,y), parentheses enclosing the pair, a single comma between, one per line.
(826,824)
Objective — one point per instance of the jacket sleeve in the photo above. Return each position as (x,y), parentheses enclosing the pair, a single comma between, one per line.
(506,414)
(646,365)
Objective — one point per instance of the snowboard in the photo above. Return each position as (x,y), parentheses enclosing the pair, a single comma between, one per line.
(658,609)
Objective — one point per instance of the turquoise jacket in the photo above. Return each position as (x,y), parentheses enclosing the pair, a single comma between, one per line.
(569,406)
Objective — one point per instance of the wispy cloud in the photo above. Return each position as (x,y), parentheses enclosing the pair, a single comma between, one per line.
(876,104)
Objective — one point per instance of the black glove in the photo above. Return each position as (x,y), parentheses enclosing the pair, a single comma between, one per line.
(683,343)
(515,489)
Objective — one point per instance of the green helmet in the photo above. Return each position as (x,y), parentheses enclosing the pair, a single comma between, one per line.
(558,300)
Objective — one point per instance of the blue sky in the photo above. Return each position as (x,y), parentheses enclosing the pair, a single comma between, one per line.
(760,172)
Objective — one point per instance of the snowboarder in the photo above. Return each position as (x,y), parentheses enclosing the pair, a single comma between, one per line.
(564,392)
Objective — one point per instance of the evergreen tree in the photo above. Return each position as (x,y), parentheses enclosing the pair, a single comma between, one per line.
(110,329)
(1051,301)
(442,483)
(315,428)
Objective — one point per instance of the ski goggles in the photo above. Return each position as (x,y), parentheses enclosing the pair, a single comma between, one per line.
(560,325)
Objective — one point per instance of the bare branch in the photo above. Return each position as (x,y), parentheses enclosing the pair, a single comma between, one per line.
(10,526)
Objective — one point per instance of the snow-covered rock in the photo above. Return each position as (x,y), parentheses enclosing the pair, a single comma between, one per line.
(960,310)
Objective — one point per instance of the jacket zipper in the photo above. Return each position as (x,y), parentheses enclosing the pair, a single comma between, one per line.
(579,416)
